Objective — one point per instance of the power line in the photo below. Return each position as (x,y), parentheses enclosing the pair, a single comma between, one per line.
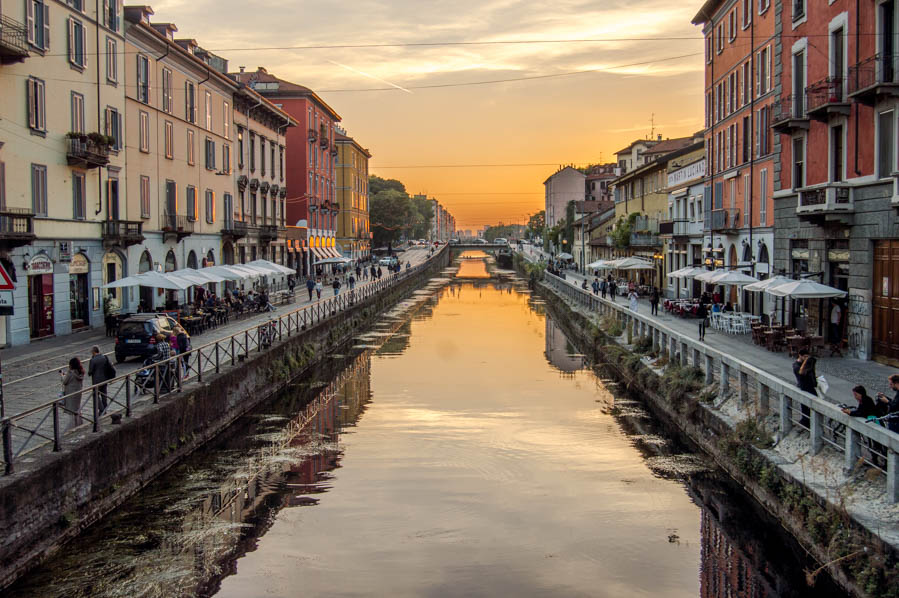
(524,164)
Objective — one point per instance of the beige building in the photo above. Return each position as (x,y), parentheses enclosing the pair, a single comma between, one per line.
(62,156)
(254,224)
(179,142)
(353,231)
(565,185)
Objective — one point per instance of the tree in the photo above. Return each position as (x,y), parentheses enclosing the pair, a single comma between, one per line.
(537,224)
(390,212)
(422,215)
(624,227)
(376,184)
(568,231)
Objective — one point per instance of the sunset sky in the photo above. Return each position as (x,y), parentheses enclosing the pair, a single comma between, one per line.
(543,122)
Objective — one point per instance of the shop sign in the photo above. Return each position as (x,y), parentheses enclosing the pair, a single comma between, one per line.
(79,264)
(6,303)
(40,264)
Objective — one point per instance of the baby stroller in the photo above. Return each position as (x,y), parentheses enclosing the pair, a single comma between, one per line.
(145,379)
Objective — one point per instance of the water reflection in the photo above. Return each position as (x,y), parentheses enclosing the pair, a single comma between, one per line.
(473,264)
(452,460)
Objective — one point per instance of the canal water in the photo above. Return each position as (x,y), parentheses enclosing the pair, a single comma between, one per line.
(462,448)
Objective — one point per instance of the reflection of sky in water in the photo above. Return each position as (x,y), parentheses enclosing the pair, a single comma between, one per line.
(472,264)
(477,470)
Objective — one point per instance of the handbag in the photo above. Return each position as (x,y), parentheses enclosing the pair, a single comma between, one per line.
(108,370)
(823,385)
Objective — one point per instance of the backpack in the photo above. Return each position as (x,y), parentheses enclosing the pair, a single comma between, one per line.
(183,343)
(108,370)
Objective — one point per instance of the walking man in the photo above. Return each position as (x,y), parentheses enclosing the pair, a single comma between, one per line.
(310,286)
(654,301)
(100,370)
(703,314)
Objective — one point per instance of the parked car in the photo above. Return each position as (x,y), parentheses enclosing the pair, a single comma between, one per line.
(454,241)
(500,241)
(388,261)
(137,335)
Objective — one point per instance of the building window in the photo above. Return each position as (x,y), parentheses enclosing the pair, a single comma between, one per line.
(747,13)
(210,206)
(169,139)
(171,198)
(190,102)
(885,142)
(191,157)
(2,186)
(144,196)
(144,132)
(709,42)
(191,203)
(836,153)
(719,41)
(226,158)
(210,154)
(79,207)
(763,6)
(262,156)
(37,23)
(77,54)
(39,189)
(762,72)
(763,197)
(37,114)
(143,79)
(281,162)
(240,147)
(226,120)
(252,152)
(747,140)
(77,113)
(112,58)
(113,125)
(111,9)
(747,194)
(208,97)
(732,26)
(798,162)
(798,9)
(167,94)
(271,147)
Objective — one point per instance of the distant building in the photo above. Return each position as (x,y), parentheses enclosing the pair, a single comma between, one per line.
(598,183)
(565,185)
(353,231)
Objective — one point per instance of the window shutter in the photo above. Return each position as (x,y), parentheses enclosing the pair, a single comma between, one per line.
(120,132)
(30,104)
(186,101)
(118,14)
(29,20)
(46,39)
(70,39)
(757,134)
(758,87)
(105,19)
(768,68)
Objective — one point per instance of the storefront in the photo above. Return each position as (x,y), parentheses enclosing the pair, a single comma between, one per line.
(146,293)
(79,292)
(113,270)
(40,295)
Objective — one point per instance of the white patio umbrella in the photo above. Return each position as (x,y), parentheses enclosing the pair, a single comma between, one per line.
(633,263)
(334,260)
(764,285)
(192,279)
(688,272)
(735,278)
(709,275)
(277,268)
(805,289)
(250,271)
(597,264)
(565,256)
(207,276)
(155,280)
(225,272)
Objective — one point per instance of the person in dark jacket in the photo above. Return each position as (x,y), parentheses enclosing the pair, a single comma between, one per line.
(654,301)
(98,369)
(865,406)
(891,406)
(310,286)
(806,380)
(703,314)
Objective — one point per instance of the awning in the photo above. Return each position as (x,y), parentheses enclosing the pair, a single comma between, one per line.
(318,252)
(334,252)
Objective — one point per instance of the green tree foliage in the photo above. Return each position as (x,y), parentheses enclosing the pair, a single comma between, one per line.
(390,212)
(568,230)
(376,184)
(505,231)
(537,224)
(422,215)
(621,233)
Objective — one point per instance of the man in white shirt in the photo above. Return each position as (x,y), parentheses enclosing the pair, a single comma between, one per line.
(836,313)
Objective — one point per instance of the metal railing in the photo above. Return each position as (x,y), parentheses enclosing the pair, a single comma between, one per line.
(126,232)
(874,70)
(725,219)
(824,422)
(823,195)
(87,153)
(16,222)
(825,92)
(787,107)
(100,404)
(13,38)
(177,223)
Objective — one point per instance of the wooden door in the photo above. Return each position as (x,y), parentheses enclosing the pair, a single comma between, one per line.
(885,334)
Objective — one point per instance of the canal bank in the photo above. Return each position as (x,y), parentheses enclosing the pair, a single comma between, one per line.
(826,519)
(54,495)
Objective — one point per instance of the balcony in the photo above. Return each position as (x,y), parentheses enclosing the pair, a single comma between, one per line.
(13,41)
(176,226)
(85,152)
(788,114)
(16,227)
(123,233)
(236,229)
(874,77)
(680,228)
(830,203)
(312,135)
(725,220)
(644,239)
(268,233)
(826,99)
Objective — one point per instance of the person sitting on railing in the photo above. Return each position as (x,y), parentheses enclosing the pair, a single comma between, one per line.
(866,406)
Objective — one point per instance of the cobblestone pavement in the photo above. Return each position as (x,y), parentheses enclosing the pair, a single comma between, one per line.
(842,373)
(30,372)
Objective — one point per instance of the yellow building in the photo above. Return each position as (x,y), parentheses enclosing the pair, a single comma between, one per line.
(353,231)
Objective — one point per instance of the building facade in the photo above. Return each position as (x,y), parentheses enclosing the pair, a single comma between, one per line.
(565,185)
(598,182)
(311,204)
(738,218)
(683,229)
(836,195)
(61,162)
(353,227)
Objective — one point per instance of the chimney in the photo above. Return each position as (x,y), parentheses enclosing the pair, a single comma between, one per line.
(660,136)
(242,69)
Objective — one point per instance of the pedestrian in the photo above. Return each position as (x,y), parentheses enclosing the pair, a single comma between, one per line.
(364,273)
(352,282)
(318,289)
(584,284)
(595,286)
(100,370)
(654,301)
(183,340)
(836,313)
(72,380)
(310,286)
(866,406)
(891,406)
(613,288)
(380,272)
(336,286)
(632,297)
(603,288)
(291,284)
(806,380)
(703,314)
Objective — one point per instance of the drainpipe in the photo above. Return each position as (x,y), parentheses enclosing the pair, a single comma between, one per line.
(751,155)
(99,119)
(857,43)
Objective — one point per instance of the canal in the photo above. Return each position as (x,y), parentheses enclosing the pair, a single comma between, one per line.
(463,447)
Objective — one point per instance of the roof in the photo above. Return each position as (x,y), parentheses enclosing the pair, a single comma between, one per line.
(706,12)
(662,160)
(670,145)
(571,168)
(283,89)
(341,138)
(257,97)
(647,142)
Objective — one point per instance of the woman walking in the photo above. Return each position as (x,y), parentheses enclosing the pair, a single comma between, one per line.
(632,297)
(72,380)
(318,289)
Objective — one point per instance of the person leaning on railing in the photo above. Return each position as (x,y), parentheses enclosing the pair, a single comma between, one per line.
(891,405)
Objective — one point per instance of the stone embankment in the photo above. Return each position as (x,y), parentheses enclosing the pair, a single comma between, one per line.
(54,495)
(833,503)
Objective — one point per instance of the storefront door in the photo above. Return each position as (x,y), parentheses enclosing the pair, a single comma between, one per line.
(885,334)
(40,304)
(78,301)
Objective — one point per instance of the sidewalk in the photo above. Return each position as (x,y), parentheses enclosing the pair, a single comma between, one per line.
(842,373)
(43,359)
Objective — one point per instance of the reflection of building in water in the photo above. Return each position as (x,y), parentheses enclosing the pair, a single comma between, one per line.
(559,350)
(728,569)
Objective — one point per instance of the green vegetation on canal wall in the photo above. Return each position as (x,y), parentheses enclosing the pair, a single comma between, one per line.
(858,560)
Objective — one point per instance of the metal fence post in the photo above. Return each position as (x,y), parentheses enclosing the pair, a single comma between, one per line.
(7,447)
(155,384)
(892,476)
(56,440)
(218,365)
(128,396)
